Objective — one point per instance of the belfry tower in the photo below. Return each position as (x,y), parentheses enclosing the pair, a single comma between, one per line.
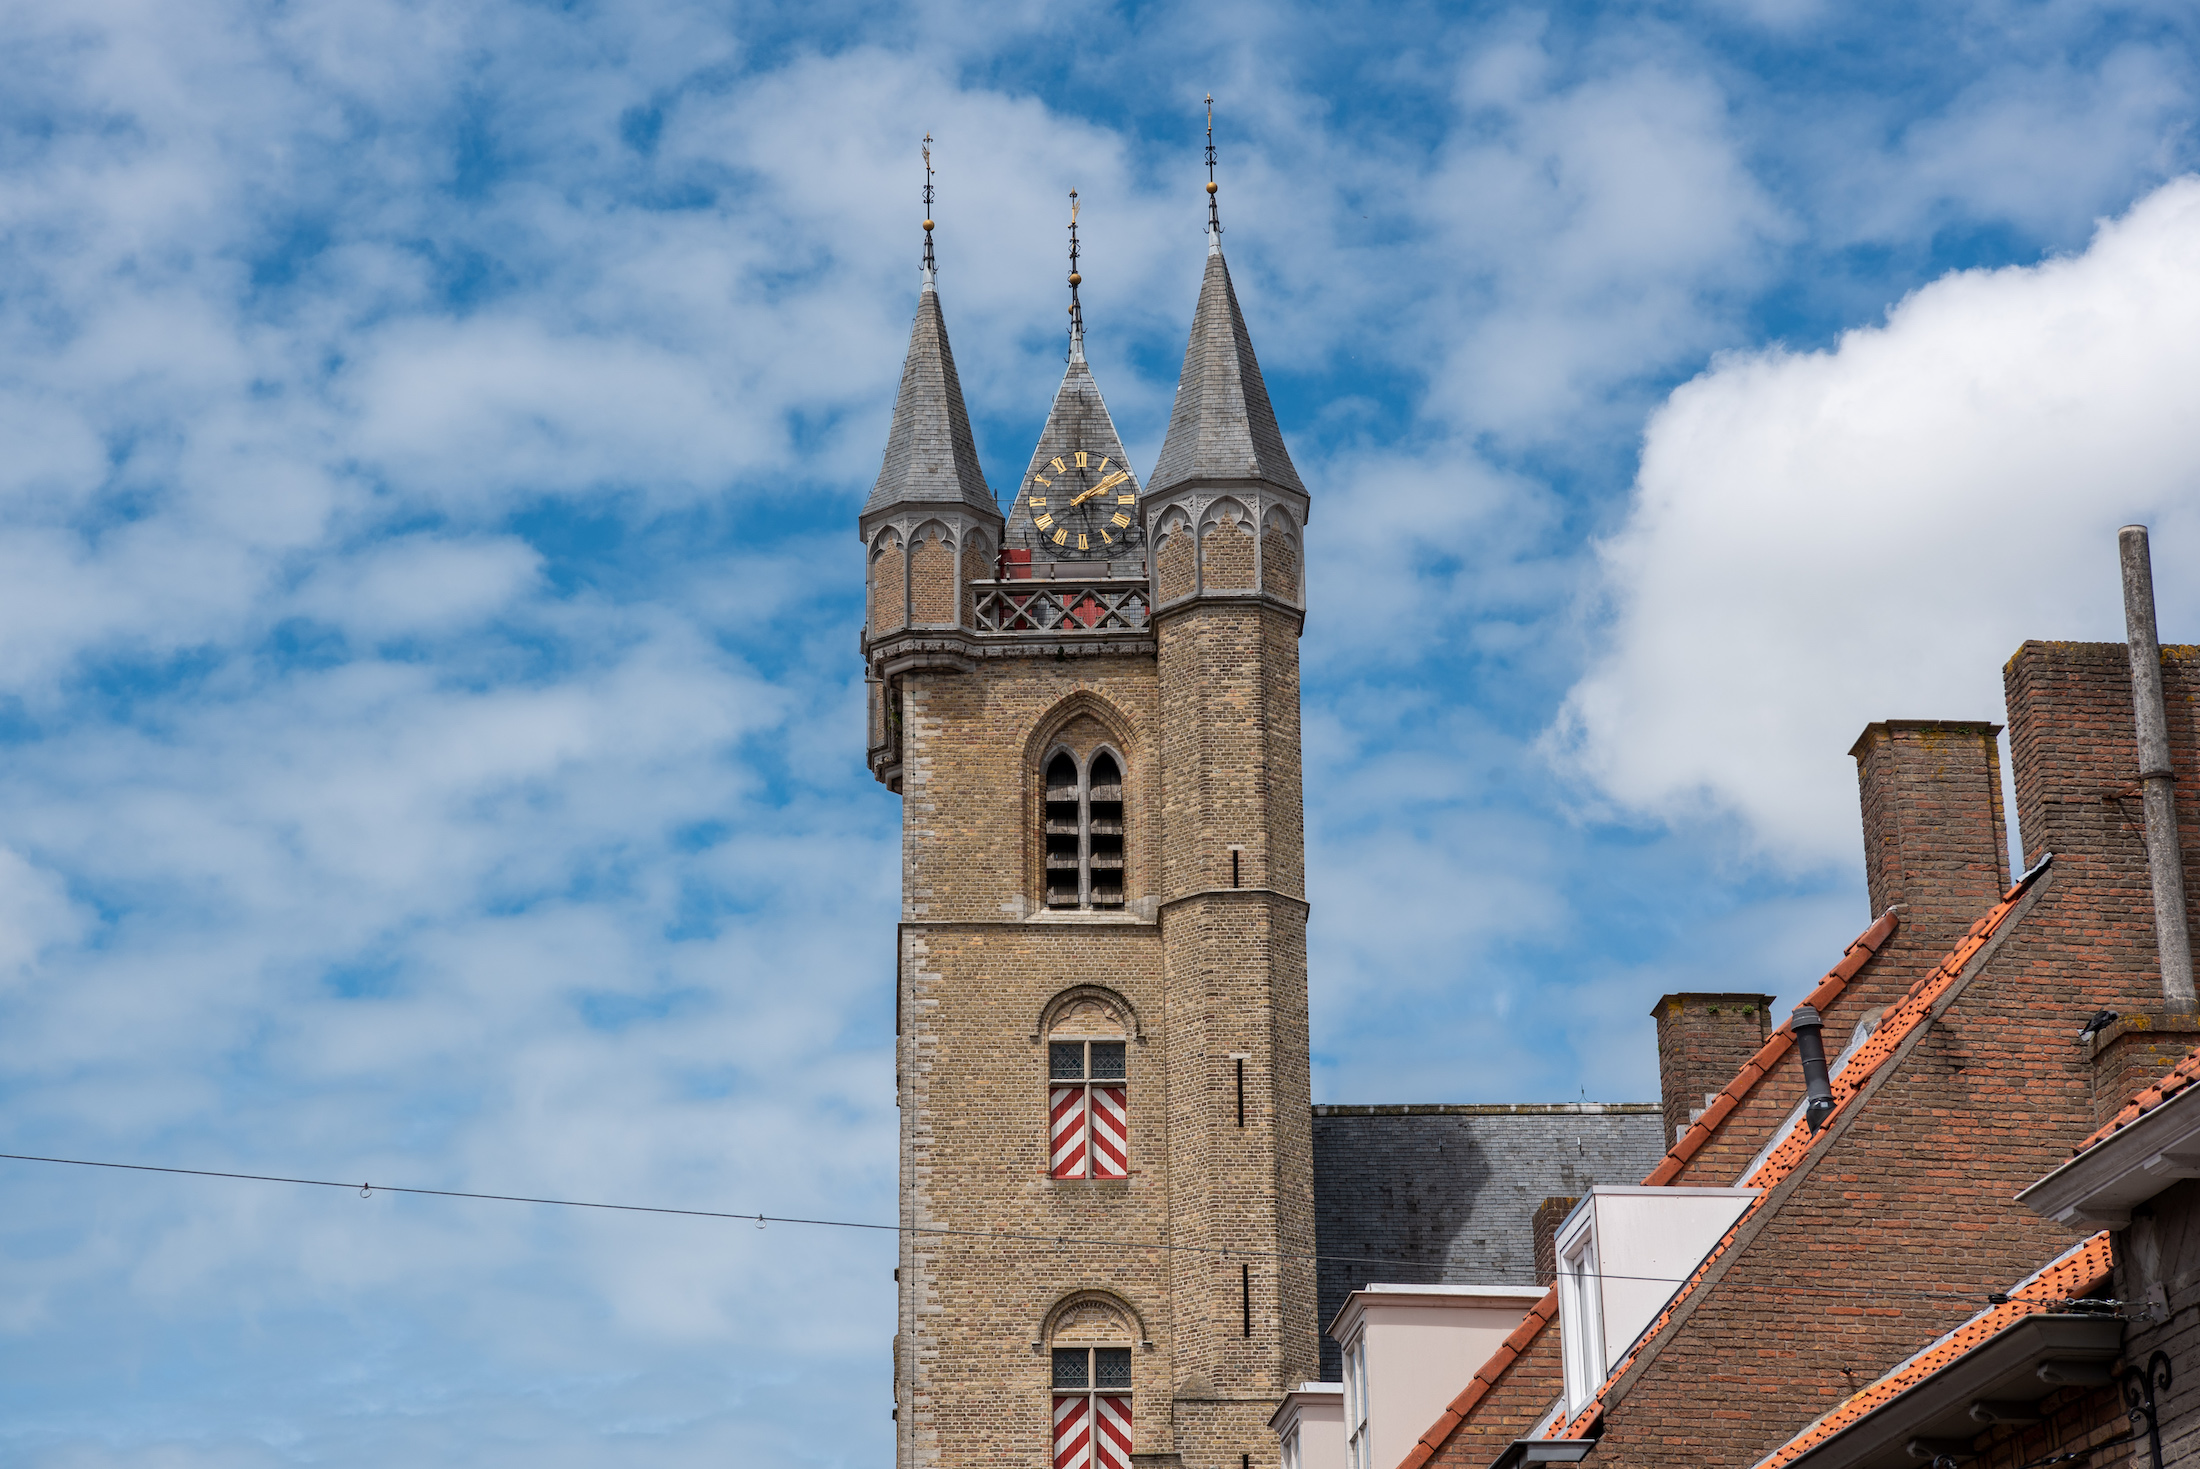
(1090,710)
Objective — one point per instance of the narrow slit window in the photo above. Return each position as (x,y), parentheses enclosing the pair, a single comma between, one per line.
(1088,1110)
(1092,1408)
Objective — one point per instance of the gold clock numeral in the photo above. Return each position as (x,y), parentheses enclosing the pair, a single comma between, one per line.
(1043,480)
(1080,459)
(1038,502)
(1126,499)
(1043,521)
(1106,539)
(1104,465)
(1121,518)
(1060,536)
(1060,467)
(1082,543)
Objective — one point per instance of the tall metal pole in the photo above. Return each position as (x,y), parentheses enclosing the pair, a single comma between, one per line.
(2157,782)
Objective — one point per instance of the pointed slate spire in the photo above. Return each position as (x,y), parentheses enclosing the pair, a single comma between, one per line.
(1222,426)
(931,457)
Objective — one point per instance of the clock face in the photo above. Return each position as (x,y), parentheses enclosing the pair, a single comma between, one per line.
(1083,504)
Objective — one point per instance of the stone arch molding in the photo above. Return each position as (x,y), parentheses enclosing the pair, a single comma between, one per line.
(1089,1005)
(1040,746)
(1091,1317)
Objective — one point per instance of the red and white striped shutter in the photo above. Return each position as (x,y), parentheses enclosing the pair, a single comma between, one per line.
(1067,1112)
(1111,1133)
(1073,1432)
(1111,1434)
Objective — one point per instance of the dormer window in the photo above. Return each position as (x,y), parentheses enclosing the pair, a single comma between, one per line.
(1084,832)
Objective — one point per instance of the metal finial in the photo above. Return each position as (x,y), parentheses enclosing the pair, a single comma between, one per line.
(928,206)
(1076,310)
(1214,211)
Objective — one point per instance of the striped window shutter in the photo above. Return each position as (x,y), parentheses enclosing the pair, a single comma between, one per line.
(1067,1107)
(1111,1436)
(1111,1135)
(1073,1432)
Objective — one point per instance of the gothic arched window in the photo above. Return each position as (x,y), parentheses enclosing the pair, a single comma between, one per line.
(1084,832)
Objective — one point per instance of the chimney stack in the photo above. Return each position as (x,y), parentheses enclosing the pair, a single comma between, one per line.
(1703,1039)
(2157,783)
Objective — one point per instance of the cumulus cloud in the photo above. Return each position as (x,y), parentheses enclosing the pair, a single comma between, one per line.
(1823,539)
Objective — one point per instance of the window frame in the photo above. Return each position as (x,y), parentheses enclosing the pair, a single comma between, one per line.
(1092,1393)
(1089,860)
(1359,1452)
(1087,1081)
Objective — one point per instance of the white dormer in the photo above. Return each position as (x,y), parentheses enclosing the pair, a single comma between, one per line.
(1309,1426)
(1622,1254)
(1408,1349)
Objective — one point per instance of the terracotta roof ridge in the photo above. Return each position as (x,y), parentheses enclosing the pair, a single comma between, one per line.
(1758,1066)
(1784,1159)
(2077,1270)
(1485,1379)
(2146,1099)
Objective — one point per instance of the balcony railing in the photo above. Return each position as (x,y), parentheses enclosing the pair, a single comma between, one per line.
(1091,604)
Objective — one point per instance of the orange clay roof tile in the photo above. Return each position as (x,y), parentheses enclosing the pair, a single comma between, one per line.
(1757,1067)
(1901,1019)
(2178,1078)
(2075,1273)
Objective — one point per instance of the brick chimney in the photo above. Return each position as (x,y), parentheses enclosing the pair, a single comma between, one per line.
(1936,841)
(1549,1215)
(1703,1040)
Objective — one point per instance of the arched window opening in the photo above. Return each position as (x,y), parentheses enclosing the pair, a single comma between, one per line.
(1084,836)
(1088,1107)
(1064,829)
(1104,822)
(1090,1386)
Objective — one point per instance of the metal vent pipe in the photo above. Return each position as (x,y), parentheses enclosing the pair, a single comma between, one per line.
(2157,782)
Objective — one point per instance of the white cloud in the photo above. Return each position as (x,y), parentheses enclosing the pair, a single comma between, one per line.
(1824,539)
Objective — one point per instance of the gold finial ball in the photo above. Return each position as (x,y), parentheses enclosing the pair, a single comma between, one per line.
(1075,279)
(1211,186)
(928,226)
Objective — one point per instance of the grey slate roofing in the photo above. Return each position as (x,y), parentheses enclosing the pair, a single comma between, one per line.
(1079,420)
(1222,426)
(1447,1195)
(931,457)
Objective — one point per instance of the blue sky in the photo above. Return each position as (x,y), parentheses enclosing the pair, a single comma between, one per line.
(428,601)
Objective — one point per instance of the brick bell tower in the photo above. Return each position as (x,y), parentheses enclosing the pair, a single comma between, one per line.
(1091,713)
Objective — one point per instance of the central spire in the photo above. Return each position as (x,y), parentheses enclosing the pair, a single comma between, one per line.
(1076,311)
(1214,210)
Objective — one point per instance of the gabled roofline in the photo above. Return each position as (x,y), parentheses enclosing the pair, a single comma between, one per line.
(1903,1021)
(1859,953)
(1485,1380)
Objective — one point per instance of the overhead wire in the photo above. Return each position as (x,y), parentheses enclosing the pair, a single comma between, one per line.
(760,1219)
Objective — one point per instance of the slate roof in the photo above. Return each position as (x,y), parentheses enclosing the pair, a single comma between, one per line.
(931,457)
(1222,426)
(1425,1194)
(1078,420)
(2070,1275)
(1901,1019)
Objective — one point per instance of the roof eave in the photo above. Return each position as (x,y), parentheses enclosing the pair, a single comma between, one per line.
(2104,1183)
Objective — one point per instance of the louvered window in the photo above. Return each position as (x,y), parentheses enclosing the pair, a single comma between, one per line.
(1092,1408)
(1084,833)
(1088,1112)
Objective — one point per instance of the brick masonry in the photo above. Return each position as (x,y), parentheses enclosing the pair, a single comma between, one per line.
(1703,1039)
(1408,1195)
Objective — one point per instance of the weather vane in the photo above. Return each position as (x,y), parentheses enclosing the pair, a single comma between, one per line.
(1214,211)
(1076,312)
(928,203)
